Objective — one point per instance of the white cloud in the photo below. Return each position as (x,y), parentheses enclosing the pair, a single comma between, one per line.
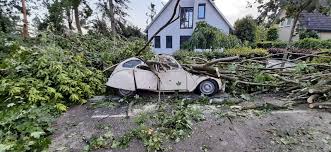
(236,9)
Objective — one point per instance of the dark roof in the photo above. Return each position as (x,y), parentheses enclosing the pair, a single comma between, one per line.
(315,21)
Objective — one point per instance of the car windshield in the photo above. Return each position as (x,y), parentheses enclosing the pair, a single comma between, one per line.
(131,63)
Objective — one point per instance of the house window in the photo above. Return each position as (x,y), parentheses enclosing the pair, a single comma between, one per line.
(169,41)
(157,42)
(186,18)
(202,11)
(184,40)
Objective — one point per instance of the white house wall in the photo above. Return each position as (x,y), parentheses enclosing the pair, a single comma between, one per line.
(212,18)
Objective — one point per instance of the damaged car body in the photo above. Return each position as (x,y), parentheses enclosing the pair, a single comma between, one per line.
(166,75)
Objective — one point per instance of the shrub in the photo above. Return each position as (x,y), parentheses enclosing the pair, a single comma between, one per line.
(271,44)
(308,34)
(326,44)
(272,34)
(245,52)
(308,43)
(261,34)
(279,44)
(265,45)
(209,37)
(245,29)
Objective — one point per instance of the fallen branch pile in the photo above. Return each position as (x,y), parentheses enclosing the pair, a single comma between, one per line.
(301,80)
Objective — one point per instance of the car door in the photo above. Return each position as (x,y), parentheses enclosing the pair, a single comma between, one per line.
(172,77)
(145,79)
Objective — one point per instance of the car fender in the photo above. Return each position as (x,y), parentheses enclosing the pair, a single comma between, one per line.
(198,79)
(123,79)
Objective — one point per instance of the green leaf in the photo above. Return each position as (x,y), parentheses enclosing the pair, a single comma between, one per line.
(37,134)
(61,107)
(4,148)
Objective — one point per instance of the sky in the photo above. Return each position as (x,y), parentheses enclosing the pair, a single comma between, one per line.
(232,10)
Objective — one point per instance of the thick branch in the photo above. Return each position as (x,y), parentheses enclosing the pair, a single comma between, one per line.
(171,20)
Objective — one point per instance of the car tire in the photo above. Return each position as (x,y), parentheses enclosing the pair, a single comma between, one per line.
(125,93)
(208,87)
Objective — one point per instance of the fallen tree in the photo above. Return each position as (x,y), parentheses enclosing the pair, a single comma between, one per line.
(300,80)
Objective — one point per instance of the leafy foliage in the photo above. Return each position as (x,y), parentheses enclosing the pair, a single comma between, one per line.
(245,29)
(272,34)
(206,36)
(45,75)
(174,123)
(308,34)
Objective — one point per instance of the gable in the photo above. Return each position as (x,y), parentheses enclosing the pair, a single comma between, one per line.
(170,6)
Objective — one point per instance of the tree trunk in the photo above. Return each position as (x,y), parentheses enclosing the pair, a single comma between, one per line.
(112,16)
(296,18)
(25,20)
(68,13)
(77,20)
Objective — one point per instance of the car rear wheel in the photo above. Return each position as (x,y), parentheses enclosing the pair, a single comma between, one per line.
(125,93)
(208,87)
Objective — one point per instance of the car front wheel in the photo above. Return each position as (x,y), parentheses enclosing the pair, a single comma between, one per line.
(125,93)
(208,87)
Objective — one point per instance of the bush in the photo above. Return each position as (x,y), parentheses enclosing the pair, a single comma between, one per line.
(272,34)
(245,52)
(209,37)
(271,44)
(308,34)
(308,43)
(245,29)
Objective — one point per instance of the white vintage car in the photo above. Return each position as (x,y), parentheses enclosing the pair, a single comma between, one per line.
(133,74)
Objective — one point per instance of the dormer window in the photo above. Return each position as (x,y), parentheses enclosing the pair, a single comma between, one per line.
(202,11)
(186,18)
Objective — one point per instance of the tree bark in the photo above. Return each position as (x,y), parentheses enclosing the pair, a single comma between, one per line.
(25,20)
(77,20)
(68,13)
(296,18)
(112,17)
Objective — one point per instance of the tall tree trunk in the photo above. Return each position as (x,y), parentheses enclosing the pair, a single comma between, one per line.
(112,16)
(68,13)
(25,21)
(77,20)
(296,18)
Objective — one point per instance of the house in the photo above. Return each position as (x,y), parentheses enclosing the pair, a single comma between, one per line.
(190,12)
(307,21)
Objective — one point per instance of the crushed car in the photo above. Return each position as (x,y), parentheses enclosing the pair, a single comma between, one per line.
(164,75)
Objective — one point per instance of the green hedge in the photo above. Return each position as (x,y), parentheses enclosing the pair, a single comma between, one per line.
(308,43)
(183,55)
(271,44)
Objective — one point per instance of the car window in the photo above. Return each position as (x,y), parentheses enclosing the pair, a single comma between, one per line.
(131,63)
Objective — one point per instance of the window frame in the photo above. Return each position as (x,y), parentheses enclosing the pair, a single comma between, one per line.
(204,11)
(159,42)
(169,42)
(136,61)
(190,26)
